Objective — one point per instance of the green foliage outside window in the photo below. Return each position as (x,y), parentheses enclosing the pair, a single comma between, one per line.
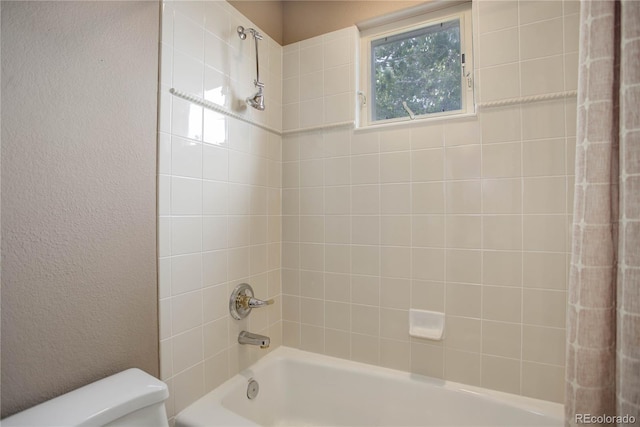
(421,67)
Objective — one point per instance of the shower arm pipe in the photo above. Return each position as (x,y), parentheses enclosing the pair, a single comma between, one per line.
(242,33)
(257,36)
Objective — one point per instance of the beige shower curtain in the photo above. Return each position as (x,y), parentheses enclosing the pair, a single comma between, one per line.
(603,330)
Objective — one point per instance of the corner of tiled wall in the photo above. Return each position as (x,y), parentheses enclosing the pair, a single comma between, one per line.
(219,201)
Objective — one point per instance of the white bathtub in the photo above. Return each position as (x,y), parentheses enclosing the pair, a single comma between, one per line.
(298,388)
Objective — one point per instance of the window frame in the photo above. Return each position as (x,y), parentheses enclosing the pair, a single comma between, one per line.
(463,13)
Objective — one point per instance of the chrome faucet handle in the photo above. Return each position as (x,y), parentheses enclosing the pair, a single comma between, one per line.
(242,301)
(246,301)
(257,303)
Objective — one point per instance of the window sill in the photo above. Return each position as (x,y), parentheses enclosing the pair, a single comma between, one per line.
(415,123)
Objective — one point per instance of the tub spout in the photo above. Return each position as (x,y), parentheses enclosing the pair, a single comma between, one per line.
(254,339)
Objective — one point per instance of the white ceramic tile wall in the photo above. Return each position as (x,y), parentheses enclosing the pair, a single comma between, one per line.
(465,216)
(318,80)
(219,197)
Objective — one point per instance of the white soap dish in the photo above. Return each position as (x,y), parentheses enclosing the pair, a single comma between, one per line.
(426,324)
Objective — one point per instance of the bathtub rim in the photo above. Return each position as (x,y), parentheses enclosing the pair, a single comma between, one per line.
(213,399)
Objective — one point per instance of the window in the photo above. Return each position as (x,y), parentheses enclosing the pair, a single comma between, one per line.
(415,70)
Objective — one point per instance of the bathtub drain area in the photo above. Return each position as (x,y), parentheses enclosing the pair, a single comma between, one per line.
(253,388)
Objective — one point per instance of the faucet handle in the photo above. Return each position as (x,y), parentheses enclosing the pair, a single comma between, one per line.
(257,303)
(242,301)
(246,301)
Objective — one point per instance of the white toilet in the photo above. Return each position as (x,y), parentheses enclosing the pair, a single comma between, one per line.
(128,398)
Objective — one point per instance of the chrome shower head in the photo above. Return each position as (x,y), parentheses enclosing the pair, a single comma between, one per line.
(257,100)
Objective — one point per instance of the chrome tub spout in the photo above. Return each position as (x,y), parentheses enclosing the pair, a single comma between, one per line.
(254,339)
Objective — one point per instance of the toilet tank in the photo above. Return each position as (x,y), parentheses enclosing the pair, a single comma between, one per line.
(128,398)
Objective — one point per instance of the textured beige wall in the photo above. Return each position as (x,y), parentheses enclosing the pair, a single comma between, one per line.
(79,281)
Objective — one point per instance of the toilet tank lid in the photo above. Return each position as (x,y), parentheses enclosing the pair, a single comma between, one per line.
(95,404)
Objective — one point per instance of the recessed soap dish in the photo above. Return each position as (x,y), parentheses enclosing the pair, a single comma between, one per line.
(426,324)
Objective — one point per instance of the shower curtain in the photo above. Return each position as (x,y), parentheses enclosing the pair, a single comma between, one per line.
(603,320)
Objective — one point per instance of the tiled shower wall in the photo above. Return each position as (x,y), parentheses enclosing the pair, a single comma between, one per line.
(219,197)
(465,216)
(319,81)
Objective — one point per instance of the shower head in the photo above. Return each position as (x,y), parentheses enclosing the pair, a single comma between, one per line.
(257,100)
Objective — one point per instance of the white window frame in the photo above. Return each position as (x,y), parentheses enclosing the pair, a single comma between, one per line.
(367,35)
